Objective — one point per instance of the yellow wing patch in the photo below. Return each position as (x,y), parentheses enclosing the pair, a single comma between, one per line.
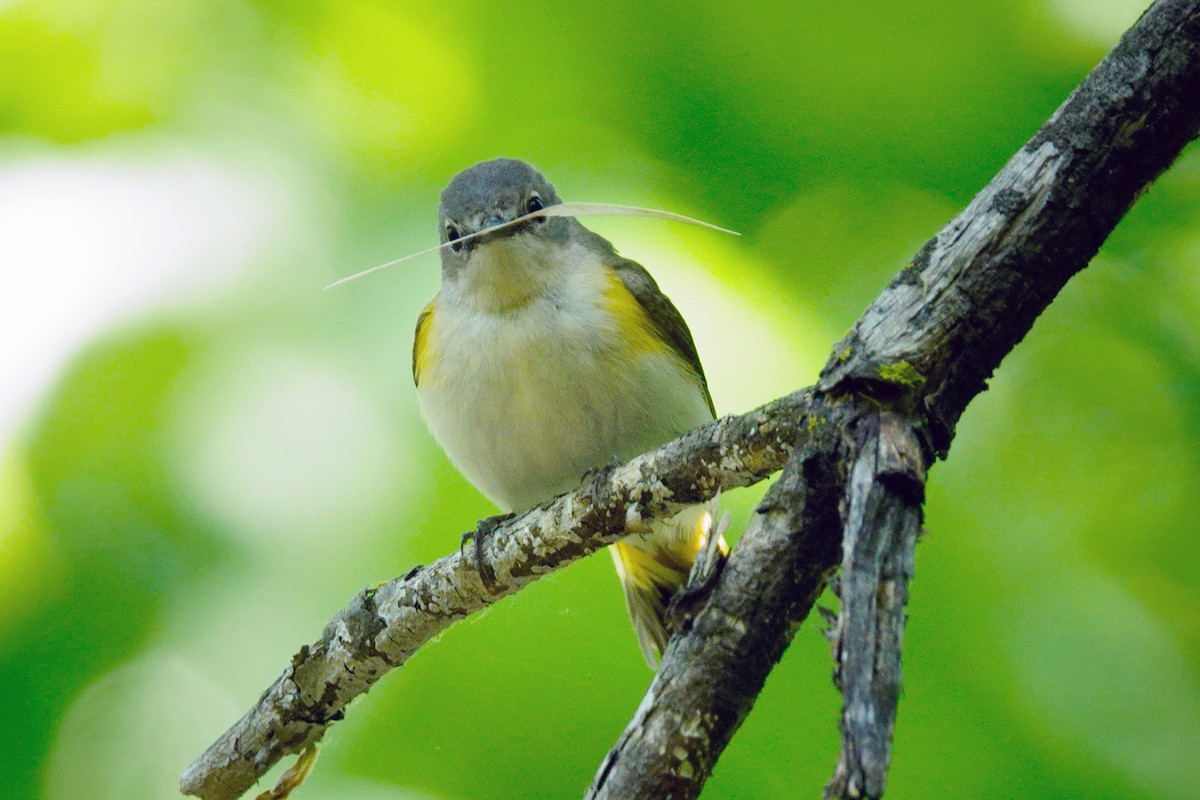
(421,348)
(631,317)
(644,331)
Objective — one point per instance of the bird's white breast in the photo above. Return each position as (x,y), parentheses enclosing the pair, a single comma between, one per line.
(525,401)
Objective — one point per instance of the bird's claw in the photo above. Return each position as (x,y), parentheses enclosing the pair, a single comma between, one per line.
(690,598)
(483,529)
(687,602)
(596,477)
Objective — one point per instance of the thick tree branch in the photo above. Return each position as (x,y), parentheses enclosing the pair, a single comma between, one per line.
(970,295)
(712,674)
(887,403)
(883,517)
(920,353)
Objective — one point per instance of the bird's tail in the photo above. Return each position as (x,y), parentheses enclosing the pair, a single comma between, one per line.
(652,567)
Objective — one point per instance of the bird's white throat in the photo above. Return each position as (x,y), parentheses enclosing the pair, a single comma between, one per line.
(506,274)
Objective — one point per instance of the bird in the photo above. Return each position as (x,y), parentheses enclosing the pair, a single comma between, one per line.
(545,355)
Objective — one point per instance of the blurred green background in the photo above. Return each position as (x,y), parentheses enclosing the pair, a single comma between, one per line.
(203,456)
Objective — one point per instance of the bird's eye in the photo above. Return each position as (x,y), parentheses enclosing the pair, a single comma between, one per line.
(534,205)
(452,235)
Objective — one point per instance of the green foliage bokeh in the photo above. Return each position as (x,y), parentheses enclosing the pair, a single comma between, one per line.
(217,455)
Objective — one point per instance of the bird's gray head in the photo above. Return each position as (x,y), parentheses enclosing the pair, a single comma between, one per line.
(492,193)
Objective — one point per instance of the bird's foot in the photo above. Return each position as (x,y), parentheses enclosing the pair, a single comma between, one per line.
(600,473)
(483,529)
(692,596)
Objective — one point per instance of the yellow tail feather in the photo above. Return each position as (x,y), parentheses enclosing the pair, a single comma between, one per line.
(653,567)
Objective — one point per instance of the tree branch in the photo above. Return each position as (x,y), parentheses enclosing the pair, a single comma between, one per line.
(895,388)
(883,517)
(383,626)
(712,673)
(886,405)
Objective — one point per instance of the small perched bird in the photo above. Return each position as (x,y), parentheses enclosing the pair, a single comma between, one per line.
(544,355)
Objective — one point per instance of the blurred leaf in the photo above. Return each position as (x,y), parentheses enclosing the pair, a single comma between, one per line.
(101,751)
(111,516)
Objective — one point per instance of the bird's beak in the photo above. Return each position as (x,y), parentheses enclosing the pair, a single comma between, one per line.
(492,220)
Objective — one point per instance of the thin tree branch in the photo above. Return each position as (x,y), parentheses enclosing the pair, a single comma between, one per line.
(897,383)
(383,626)
(912,363)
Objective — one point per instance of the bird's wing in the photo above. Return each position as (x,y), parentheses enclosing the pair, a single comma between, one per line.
(667,320)
(420,340)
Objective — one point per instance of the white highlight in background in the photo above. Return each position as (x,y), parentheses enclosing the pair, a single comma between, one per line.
(87,240)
